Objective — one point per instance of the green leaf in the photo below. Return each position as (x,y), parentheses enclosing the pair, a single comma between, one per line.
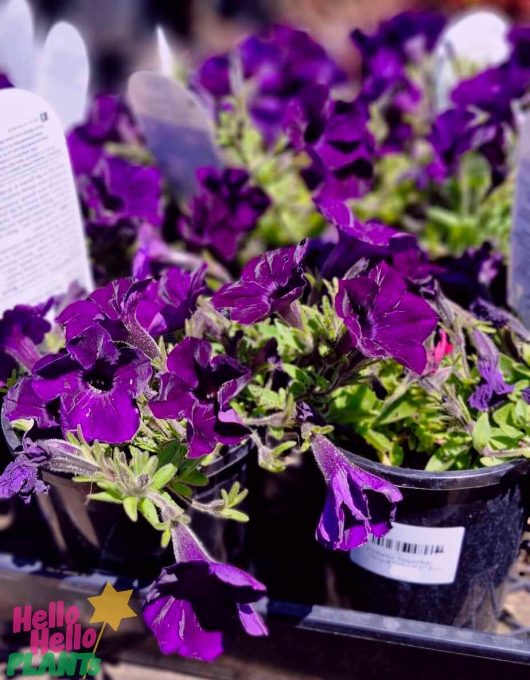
(481,432)
(181,489)
(163,476)
(130,505)
(397,410)
(105,496)
(166,538)
(148,509)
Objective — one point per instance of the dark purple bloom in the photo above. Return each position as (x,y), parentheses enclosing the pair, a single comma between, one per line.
(371,240)
(93,386)
(493,389)
(225,209)
(282,62)
(358,504)
(384,319)
(166,304)
(450,138)
(214,76)
(269,284)
(21,478)
(119,190)
(200,387)
(409,36)
(477,273)
(406,38)
(21,330)
(5,82)
(341,149)
(194,602)
(356,240)
(519,38)
(137,311)
(108,120)
(492,91)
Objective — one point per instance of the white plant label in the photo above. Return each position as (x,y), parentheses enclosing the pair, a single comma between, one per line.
(42,244)
(476,38)
(413,554)
(519,266)
(177,129)
(64,73)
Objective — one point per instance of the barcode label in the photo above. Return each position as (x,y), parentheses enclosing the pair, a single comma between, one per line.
(413,554)
(412,548)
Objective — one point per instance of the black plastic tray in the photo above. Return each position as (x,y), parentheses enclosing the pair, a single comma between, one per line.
(305,642)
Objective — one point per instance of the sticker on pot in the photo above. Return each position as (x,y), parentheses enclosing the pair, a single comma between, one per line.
(177,128)
(519,266)
(413,554)
(42,244)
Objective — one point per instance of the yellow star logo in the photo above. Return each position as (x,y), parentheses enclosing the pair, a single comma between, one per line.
(112,606)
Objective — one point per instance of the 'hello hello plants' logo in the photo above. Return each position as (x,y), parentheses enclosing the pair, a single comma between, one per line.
(59,645)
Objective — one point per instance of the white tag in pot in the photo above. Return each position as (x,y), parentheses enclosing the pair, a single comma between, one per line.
(177,128)
(63,73)
(477,39)
(413,554)
(519,265)
(42,244)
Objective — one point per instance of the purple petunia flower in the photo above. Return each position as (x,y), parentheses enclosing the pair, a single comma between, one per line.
(21,330)
(384,319)
(358,504)
(119,190)
(281,63)
(200,387)
(196,601)
(269,284)
(493,388)
(138,311)
(225,209)
(21,478)
(338,141)
(108,120)
(166,304)
(408,37)
(213,76)
(113,308)
(479,273)
(451,137)
(94,386)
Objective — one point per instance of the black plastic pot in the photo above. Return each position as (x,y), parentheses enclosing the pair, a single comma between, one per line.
(97,535)
(482,511)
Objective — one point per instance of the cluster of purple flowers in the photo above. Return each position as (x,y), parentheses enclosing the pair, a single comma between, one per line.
(482,112)
(374,281)
(281,63)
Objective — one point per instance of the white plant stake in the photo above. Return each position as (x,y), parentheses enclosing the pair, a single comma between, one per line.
(177,128)
(63,73)
(165,54)
(57,69)
(42,242)
(519,266)
(477,38)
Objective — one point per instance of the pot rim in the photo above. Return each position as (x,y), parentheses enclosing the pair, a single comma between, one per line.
(452,480)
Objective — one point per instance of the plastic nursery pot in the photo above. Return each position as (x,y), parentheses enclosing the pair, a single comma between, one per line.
(445,560)
(98,535)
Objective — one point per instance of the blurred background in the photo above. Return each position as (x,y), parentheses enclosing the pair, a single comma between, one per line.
(121,33)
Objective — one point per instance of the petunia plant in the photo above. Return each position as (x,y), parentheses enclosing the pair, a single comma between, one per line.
(327,291)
